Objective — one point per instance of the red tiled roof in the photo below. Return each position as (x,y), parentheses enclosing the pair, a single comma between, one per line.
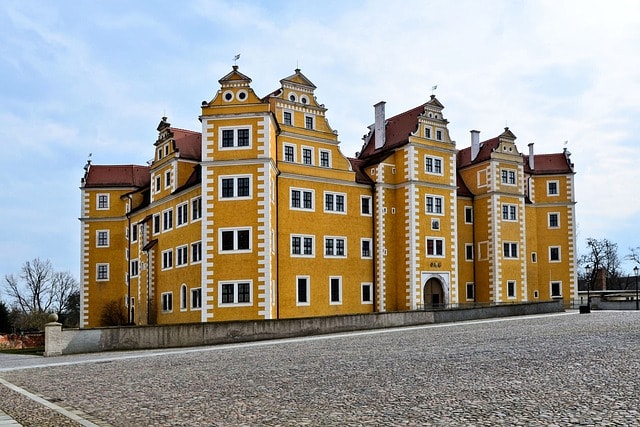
(486,147)
(118,176)
(357,165)
(188,143)
(462,190)
(545,164)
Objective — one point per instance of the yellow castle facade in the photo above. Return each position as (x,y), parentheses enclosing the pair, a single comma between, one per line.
(259,215)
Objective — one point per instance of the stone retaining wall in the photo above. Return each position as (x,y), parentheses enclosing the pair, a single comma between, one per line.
(71,341)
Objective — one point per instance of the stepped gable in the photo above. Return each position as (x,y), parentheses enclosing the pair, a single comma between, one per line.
(118,176)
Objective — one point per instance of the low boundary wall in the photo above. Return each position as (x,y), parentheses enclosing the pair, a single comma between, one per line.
(73,341)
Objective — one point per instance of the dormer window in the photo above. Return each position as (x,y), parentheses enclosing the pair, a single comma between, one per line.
(427,133)
(166,150)
(439,135)
(308,122)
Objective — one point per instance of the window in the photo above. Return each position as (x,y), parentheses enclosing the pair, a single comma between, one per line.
(235,240)
(471,292)
(302,245)
(289,153)
(427,132)
(183,297)
(366,293)
(134,233)
(302,290)
(308,122)
(167,220)
(167,302)
(196,252)
(439,135)
(167,259)
(510,249)
(325,159)
(301,199)
(102,200)
(554,254)
(237,137)
(435,224)
(534,257)
(287,118)
(468,215)
(556,289)
(167,179)
(509,212)
(335,290)
(433,204)
(236,293)
(235,187)
(508,176)
(182,253)
(468,251)
(307,156)
(156,223)
(335,202)
(102,238)
(102,272)
(552,188)
(182,214)
(435,247)
(365,205)
(511,289)
(554,220)
(196,208)
(433,165)
(365,248)
(135,268)
(335,247)
(196,298)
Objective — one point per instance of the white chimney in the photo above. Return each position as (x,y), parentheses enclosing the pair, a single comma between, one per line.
(531,155)
(475,144)
(379,127)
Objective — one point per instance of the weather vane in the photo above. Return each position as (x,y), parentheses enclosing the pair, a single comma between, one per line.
(433,89)
(235,59)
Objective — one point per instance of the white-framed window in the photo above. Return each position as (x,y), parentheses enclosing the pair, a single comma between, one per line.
(335,202)
(102,272)
(468,215)
(434,204)
(366,293)
(158,183)
(302,199)
(134,233)
(433,165)
(468,251)
(510,249)
(135,267)
(556,289)
(553,188)
(365,205)
(167,179)
(302,245)
(237,293)
(308,121)
(335,247)
(534,257)
(167,302)
(511,289)
(196,208)
(303,296)
(156,223)
(438,135)
(182,213)
(508,176)
(287,118)
(509,212)
(289,153)
(435,224)
(471,291)
(554,254)
(435,247)
(427,132)
(196,298)
(102,238)
(182,255)
(307,156)
(366,248)
(554,220)
(196,252)
(234,187)
(335,290)
(102,201)
(235,240)
(167,259)
(325,158)
(167,220)
(239,137)
(183,297)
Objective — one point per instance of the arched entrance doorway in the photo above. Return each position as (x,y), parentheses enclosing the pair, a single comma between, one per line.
(433,293)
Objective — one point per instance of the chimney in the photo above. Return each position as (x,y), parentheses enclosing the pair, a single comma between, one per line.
(379,127)
(475,144)
(531,155)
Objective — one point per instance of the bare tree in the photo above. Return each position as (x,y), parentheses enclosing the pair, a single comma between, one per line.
(634,255)
(602,255)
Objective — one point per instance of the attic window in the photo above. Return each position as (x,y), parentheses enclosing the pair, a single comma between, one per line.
(242,95)
(292,97)
(304,99)
(228,96)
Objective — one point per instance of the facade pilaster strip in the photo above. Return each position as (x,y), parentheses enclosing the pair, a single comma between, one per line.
(522,255)
(380,241)
(264,249)
(209,241)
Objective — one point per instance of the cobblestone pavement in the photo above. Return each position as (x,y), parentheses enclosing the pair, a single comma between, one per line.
(556,370)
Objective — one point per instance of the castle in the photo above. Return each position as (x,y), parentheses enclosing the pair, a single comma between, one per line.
(260,216)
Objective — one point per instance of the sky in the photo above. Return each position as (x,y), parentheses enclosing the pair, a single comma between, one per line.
(81,77)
